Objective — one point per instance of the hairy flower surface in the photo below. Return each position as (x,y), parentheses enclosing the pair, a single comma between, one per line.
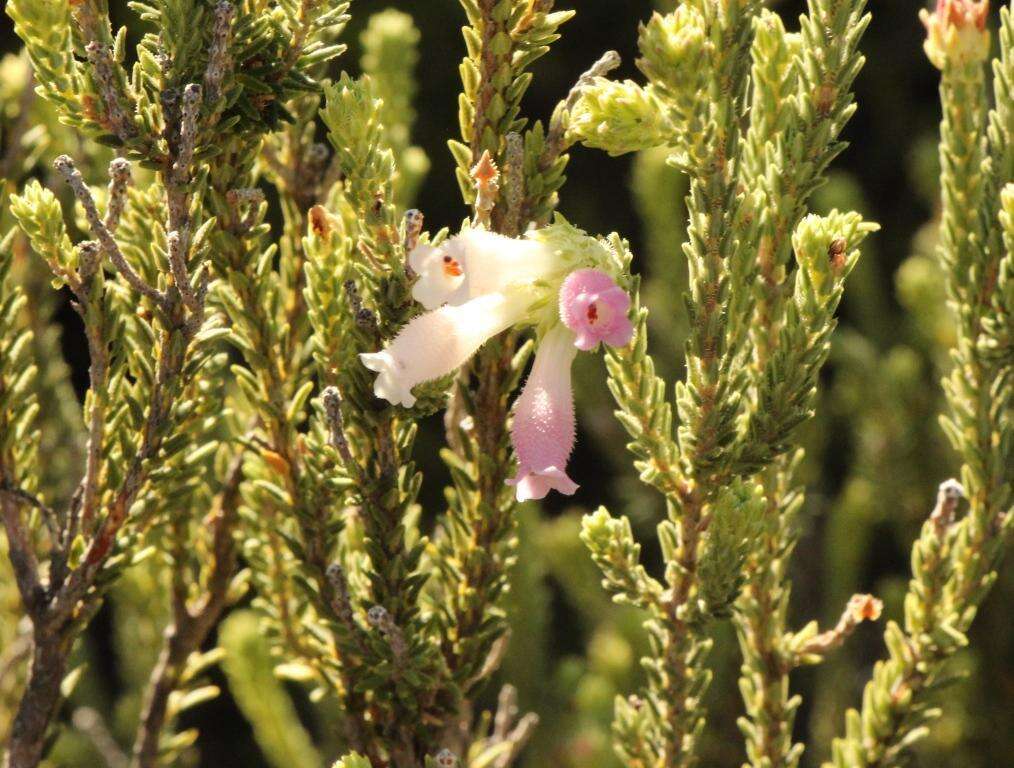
(544,429)
(595,308)
(478,262)
(478,284)
(439,342)
(956,32)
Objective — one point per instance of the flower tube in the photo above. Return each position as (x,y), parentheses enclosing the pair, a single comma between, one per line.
(544,429)
(437,343)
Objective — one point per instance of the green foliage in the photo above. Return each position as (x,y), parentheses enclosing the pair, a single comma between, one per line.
(735,526)
(745,189)
(18,462)
(612,546)
(159,426)
(390,54)
(39,214)
(230,268)
(45,27)
(620,118)
(504,38)
(262,697)
(352,115)
(954,560)
(20,406)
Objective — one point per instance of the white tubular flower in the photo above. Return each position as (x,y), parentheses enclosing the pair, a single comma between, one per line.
(478,284)
(439,342)
(441,273)
(475,263)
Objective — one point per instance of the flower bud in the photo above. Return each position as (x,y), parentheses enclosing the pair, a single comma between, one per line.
(956,33)
(826,249)
(620,118)
(672,48)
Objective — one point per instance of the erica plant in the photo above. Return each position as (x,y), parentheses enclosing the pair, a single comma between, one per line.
(270,327)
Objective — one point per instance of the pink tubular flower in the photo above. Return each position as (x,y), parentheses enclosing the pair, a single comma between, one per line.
(544,431)
(595,308)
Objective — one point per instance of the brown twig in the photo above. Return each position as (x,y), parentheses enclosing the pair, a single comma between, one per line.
(336,427)
(66,167)
(860,608)
(513,184)
(181,276)
(41,698)
(219,61)
(20,549)
(119,105)
(490,63)
(98,371)
(379,617)
(681,644)
(71,596)
(16,651)
(341,602)
(178,175)
(119,181)
(21,495)
(89,722)
(170,363)
(191,624)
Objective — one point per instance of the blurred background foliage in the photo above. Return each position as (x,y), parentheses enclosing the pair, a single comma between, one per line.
(874,455)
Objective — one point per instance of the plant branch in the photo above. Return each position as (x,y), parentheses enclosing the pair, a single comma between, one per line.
(89,722)
(66,167)
(191,624)
(20,549)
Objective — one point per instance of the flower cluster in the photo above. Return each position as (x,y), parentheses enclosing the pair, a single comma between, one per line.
(478,284)
(956,33)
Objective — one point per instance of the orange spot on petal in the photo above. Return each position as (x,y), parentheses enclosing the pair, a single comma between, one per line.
(452,268)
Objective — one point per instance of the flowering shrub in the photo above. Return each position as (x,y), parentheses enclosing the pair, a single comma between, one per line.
(269,327)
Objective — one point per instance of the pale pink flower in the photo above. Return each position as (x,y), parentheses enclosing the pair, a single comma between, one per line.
(595,308)
(476,285)
(437,343)
(544,430)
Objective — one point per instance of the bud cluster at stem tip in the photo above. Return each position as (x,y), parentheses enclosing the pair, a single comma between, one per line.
(956,33)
